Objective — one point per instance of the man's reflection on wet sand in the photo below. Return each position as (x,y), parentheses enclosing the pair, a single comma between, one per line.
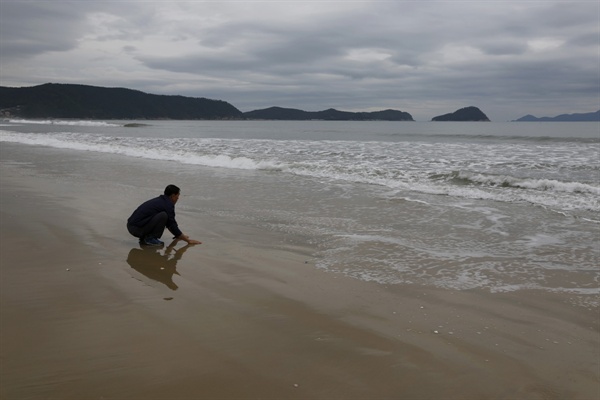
(157,264)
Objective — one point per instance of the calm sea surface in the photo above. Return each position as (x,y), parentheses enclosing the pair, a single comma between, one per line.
(495,206)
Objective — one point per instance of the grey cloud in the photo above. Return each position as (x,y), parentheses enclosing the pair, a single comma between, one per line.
(344,55)
(217,64)
(561,15)
(591,40)
(30,28)
(504,47)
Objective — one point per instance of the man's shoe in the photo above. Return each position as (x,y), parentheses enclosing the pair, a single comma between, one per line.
(153,242)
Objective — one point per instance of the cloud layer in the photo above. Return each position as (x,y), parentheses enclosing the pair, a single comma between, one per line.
(426,57)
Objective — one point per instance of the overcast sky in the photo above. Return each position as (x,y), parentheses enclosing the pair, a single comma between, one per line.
(509,58)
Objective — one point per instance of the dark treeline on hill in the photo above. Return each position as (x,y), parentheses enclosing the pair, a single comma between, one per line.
(582,117)
(290,114)
(464,114)
(53,100)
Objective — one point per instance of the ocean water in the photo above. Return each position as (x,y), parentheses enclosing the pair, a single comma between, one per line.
(492,206)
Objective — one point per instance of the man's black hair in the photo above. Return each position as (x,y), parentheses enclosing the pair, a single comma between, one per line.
(171,189)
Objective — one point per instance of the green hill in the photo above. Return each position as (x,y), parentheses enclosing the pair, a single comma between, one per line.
(578,117)
(464,114)
(291,114)
(53,100)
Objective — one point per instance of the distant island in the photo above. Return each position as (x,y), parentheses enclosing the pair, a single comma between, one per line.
(54,100)
(464,114)
(581,117)
(290,114)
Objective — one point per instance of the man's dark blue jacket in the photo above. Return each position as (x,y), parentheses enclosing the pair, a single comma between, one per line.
(144,213)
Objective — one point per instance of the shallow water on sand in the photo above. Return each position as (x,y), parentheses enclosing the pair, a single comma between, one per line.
(87,312)
(500,207)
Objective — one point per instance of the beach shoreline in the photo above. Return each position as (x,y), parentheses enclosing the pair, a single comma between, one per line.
(87,313)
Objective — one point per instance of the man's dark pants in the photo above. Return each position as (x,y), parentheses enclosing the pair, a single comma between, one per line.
(153,229)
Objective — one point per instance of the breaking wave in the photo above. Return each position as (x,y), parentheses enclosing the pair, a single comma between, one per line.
(427,169)
(506,181)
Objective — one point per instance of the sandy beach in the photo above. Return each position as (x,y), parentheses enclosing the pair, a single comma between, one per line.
(88,314)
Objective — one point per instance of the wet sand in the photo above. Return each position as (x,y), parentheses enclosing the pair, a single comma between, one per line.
(88,314)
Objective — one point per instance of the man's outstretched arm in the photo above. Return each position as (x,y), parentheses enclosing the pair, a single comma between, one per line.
(187,239)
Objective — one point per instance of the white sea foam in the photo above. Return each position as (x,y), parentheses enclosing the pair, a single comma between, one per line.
(146,148)
(421,168)
(537,184)
(63,122)
(591,220)
(584,291)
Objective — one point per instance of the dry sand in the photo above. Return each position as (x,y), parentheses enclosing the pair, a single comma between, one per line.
(87,314)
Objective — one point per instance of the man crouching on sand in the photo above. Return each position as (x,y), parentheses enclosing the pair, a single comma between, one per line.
(150,219)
